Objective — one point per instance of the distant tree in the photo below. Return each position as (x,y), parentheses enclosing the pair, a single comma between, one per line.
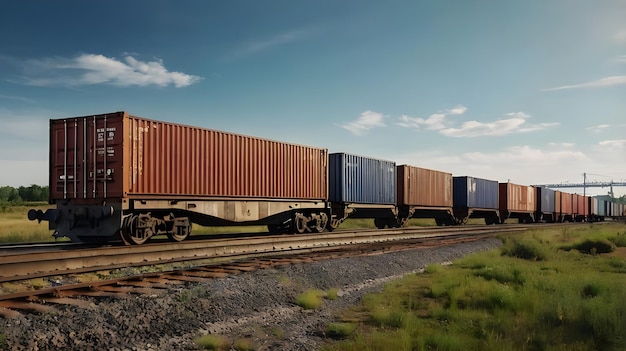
(33,193)
(8,194)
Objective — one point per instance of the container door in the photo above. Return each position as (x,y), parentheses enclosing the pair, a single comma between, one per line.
(85,157)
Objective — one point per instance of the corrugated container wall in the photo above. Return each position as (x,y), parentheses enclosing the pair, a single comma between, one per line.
(424,187)
(579,204)
(546,197)
(566,203)
(601,209)
(152,158)
(363,180)
(575,203)
(517,198)
(473,192)
(557,201)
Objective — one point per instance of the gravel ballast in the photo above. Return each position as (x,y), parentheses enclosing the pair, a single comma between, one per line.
(257,306)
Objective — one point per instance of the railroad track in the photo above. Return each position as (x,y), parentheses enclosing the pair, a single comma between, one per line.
(203,260)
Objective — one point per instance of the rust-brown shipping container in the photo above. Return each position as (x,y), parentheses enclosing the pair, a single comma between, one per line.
(517,198)
(113,171)
(117,155)
(567,207)
(579,202)
(424,193)
(423,187)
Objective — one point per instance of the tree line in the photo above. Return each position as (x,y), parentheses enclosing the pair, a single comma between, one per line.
(33,193)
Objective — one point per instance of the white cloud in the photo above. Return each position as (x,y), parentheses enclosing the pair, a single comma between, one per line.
(515,124)
(435,121)
(90,69)
(599,128)
(621,59)
(459,110)
(366,121)
(613,145)
(604,82)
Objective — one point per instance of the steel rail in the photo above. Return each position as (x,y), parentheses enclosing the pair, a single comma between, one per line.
(44,264)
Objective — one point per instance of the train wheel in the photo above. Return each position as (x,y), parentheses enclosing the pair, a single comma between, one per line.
(321,221)
(381,223)
(137,229)
(181,229)
(300,224)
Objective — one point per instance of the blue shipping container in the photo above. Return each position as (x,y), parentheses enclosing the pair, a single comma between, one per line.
(473,192)
(546,199)
(357,179)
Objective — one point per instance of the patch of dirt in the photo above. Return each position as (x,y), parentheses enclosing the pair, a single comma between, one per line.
(257,306)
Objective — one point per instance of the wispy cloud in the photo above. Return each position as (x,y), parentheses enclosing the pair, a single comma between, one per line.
(621,59)
(613,144)
(600,83)
(516,123)
(17,98)
(436,121)
(366,121)
(268,43)
(91,69)
(599,128)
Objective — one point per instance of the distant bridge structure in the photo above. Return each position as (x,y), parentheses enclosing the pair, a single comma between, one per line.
(585,184)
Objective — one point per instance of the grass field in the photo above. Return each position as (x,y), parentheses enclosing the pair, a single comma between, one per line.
(15,226)
(545,290)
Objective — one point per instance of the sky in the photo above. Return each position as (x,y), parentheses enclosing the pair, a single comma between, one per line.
(530,92)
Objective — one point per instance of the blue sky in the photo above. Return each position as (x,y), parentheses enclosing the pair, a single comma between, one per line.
(527,91)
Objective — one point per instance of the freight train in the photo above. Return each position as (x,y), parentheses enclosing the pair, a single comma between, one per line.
(116,176)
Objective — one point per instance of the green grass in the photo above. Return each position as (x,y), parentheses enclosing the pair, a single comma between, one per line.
(211,342)
(528,295)
(332,294)
(310,299)
(244,345)
(340,330)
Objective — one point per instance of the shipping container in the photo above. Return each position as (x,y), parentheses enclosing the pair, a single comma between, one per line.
(579,207)
(601,207)
(546,204)
(517,201)
(475,192)
(362,187)
(475,198)
(424,193)
(358,179)
(567,207)
(117,155)
(116,171)
(424,187)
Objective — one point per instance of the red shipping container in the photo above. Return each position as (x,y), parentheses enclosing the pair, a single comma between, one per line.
(115,156)
(517,198)
(423,187)
(567,206)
